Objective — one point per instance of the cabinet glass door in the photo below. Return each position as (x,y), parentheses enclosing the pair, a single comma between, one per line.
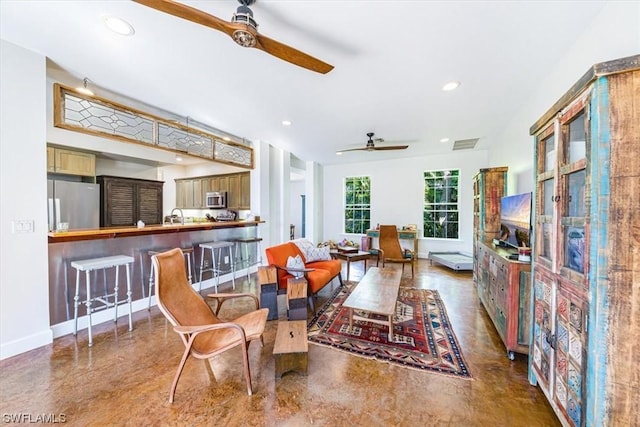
(573,205)
(546,196)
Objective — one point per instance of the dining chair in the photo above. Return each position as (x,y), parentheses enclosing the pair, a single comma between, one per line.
(203,334)
(390,249)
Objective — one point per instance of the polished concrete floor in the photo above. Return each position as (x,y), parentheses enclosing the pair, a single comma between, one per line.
(124,378)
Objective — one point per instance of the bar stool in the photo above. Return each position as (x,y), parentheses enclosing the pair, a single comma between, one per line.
(243,243)
(186,252)
(89,265)
(215,267)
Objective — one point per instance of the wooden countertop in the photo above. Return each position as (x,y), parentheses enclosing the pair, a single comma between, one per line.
(115,232)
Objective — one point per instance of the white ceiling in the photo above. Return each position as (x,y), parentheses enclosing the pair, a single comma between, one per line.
(391,59)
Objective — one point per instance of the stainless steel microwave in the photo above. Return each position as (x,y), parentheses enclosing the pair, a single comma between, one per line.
(216,200)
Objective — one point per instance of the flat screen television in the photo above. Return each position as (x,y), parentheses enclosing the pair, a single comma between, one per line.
(515,220)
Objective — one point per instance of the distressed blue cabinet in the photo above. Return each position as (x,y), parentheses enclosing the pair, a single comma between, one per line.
(584,350)
(489,185)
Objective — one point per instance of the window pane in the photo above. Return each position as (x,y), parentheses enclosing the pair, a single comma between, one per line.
(577,139)
(548,197)
(550,152)
(576,183)
(574,248)
(357,205)
(440,211)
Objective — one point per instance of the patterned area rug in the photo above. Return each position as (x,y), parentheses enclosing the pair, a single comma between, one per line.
(422,336)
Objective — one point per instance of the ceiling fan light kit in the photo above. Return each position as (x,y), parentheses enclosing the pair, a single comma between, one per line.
(244,15)
(243,29)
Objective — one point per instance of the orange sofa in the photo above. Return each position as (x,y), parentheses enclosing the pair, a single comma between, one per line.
(318,273)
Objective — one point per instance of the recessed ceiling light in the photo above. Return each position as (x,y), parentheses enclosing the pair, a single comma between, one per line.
(178,158)
(339,153)
(119,26)
(450,86)
(444,140)
(286,123)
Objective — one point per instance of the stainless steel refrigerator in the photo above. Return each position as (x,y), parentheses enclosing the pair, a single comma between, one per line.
(75,203)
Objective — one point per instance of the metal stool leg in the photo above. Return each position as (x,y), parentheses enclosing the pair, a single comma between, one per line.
(216,267)
(115,294)
(233,268)
(129,295)
(204,250)
(76,302)
(142,281)
(246,254)
(88,304)
(151,278)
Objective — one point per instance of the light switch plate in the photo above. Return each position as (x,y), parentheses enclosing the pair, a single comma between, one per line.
(23,226)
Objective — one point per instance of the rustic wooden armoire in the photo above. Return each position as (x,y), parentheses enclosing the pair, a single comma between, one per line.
(585,349)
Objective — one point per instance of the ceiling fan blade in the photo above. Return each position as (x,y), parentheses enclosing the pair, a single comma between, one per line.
(190,14)
(391,147)
(270,46)
(353,149)
(294,56)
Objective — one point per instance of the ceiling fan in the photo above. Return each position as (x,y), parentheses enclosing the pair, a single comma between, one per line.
(242,29)
(372,147)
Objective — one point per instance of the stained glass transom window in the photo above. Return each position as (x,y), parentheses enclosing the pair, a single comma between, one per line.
(98,117)
(184,141)
(232,153)
(87,114)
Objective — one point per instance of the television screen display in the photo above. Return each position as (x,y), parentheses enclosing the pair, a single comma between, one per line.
(515,220)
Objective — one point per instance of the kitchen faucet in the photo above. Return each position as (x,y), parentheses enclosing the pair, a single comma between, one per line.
(181,215)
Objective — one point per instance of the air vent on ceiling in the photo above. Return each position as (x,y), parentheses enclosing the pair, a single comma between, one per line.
(465,144)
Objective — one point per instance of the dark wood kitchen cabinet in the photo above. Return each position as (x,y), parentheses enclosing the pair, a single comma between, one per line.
(125,201)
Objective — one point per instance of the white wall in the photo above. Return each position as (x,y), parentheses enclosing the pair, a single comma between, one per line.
(125,169)
(397,195)
(296,189)
(24,271)
(615,33)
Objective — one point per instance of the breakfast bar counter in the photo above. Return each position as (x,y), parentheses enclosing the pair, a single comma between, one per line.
(73,245)
(115,232)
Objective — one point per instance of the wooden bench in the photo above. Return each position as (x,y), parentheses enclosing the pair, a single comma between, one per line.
(291,347)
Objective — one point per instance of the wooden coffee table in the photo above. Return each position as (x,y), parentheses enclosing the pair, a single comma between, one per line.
(351,257)
(376,293)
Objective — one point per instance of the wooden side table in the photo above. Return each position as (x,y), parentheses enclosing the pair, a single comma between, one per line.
(268,281)
(351,257)
(291,348)
(297,299)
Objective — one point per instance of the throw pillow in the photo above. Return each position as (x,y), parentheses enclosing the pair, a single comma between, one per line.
(317,254)
(297,264)
(303,244)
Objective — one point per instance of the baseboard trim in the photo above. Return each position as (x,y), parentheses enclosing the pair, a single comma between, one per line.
(24,344)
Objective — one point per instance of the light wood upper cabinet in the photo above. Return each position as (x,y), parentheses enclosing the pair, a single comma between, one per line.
(233,195)
(190,193)
(223,184)
(51,159)
(240,191)
(245,190)
(198,198)
(182,187)
(70,162)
